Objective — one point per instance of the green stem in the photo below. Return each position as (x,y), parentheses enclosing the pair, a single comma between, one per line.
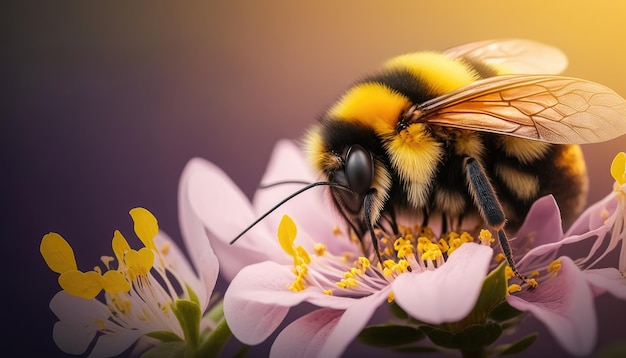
(216,341)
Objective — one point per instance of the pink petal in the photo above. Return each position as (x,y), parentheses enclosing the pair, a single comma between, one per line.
(352,322)
(208,265)
(593,216)
(71,338)
(111,345)
(565,305)
(543,222)
(77,326)
(310,210)
(607,280)
(305,336)
(435,296)
(258,300)
(208,199)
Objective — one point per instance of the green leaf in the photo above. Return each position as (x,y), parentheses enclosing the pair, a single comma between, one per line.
(192,295)
(215,341)
(188,314)
(471,338)
(438,336)
(167,349)
(518,346)
(491,295)
(217,312)
(165,336)
(504,312)
(477,337)
(389,335)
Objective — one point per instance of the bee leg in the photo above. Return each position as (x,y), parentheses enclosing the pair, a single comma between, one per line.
(489,207)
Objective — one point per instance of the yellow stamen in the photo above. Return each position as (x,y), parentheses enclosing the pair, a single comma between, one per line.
(508,273)
(120,246)
(532,283)
(114,282)
(534,274)
(139,262)
(618,168)
(320,249)
(146,226)
(336,230)
(485,237)
(514,288)
(82,284)
(106,260)
(57,253)
(328,292)
(391,297)
(554,267)
(500,257)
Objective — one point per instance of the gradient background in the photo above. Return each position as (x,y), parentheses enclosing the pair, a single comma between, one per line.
(103,103)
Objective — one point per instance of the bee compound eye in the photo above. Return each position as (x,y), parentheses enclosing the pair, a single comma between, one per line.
(359,169)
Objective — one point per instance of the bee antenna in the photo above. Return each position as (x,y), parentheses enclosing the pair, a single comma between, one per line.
(291,196)
(266,186)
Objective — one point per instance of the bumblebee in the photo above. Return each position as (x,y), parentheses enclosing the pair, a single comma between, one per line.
(476,132)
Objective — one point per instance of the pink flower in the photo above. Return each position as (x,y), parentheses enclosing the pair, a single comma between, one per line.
(141,289)
(305,257)
(317,263)
(568,284)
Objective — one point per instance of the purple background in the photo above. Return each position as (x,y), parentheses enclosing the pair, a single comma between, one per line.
(104,103)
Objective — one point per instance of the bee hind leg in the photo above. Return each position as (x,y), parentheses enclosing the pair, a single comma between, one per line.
(490,209)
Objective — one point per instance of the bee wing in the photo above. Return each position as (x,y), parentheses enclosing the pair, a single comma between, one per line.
(547,108)
(512,56)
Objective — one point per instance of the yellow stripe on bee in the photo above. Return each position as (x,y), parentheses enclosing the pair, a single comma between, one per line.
(443,74)
(525,150)
(524,185)
(372,104)
(416,156)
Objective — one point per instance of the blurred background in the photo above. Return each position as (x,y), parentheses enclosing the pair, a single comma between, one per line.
(103,103)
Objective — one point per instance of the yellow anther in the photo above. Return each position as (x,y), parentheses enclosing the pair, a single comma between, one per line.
(364,262)
(443,245)
(466,237)
(387,272)
(391,297)
(508,273)
(348,274)
(106,260)
(345,257)
(485,237)
(389,263)
(618,168)
(165,248)
(500,257)
(57,253)
(146,226)
(320,249)
(336,230)
(514,288)
(534,274)
(328,292)
(554,267)
(532,283)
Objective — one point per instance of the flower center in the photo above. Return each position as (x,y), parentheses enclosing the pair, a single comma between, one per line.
(415,249)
